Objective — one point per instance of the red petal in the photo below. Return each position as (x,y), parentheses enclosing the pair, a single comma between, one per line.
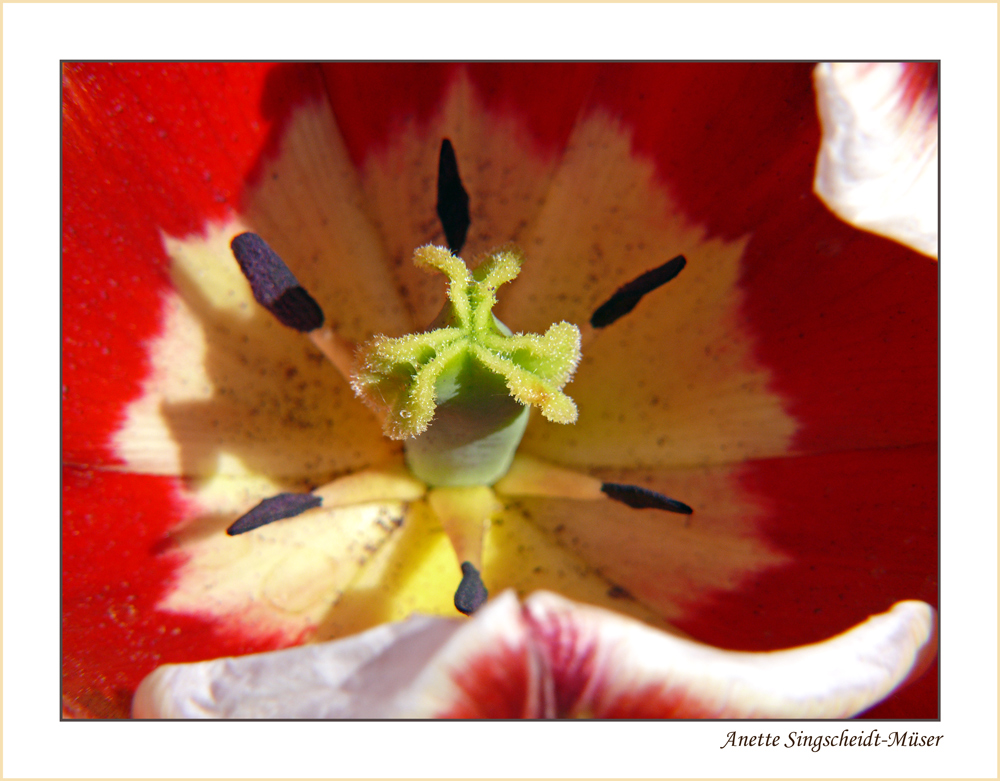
(846,321)
(112,634)
(373,101)
(146,148)
(862,527)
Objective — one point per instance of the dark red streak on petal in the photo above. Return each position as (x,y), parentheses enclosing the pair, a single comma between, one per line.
(286,86)
(654,702)
(920,88)
(495,684)
(570,655)
(588,681)
(374,101)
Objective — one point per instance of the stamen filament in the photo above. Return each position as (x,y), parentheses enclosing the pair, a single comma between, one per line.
(338,351)
(393,483)
(465,514)
(528,476)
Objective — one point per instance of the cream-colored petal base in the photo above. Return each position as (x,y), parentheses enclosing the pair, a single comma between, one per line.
(503,170)
(310,207)
(674,382)
(278,580)
(229,381)
(666,561)
(235,396)
(416,570)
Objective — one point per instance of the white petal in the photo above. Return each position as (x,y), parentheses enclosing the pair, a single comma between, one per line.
(551,657)
(877,166)
(359,677)
(635,671)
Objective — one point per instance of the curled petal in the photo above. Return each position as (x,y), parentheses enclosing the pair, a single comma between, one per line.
(609,666)
(548,658)
(877,165)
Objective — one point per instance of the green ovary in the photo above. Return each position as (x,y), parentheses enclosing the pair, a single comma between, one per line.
(477,426)
(459,393)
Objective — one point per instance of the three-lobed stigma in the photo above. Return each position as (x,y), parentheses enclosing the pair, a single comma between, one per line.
(459,393)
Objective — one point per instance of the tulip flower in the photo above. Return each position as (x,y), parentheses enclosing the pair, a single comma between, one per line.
(783,386)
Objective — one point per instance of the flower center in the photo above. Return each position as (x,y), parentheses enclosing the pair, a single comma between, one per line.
(458,394)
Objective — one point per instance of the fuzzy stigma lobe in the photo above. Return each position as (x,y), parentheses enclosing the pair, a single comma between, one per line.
(459,393)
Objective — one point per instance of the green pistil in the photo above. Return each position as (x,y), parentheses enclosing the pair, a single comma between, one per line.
(459,393)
